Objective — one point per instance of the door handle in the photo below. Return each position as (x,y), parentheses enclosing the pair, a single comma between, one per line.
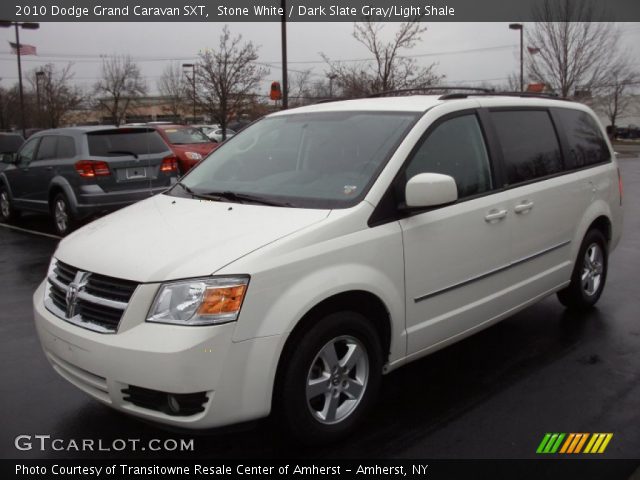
(523,207)
(49,168)
(495,215)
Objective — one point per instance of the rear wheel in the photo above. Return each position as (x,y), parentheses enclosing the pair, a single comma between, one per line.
(63,219)
(331,378)
(589,274)
(8,213)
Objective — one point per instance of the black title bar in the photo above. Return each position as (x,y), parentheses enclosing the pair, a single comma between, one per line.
(302,10)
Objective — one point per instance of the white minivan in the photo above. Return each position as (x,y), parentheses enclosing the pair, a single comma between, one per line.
(325,246)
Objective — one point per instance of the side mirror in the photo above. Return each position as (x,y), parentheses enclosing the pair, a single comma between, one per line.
(430,190)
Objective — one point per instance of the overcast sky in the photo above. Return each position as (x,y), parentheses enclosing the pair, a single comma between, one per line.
(153,45)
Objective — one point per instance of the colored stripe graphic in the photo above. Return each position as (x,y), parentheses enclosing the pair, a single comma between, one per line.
(575,443)
(550,443)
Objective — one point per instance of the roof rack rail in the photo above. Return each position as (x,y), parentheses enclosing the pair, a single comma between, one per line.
(428,89)
(451,96)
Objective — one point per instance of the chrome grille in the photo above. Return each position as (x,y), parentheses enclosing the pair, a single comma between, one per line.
(89,300)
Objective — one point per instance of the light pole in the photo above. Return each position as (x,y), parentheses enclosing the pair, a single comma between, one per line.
(28,26)
(332,77)
(519,26)
(285,80)
(191,66)
(39,75)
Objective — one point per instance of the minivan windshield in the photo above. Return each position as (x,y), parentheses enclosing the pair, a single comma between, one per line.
(308,160)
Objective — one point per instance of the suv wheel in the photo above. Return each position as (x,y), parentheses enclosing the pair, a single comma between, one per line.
(63,219)
(331,378)
(7,212)
(589,274)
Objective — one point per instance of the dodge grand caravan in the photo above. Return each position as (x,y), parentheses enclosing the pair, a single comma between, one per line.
(325,246)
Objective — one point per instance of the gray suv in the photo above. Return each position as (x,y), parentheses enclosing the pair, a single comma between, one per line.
(75,173)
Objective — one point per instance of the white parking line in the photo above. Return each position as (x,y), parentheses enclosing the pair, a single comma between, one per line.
(34,232)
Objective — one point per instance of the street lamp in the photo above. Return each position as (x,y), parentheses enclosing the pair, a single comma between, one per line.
(192,66)
(332,77)
(27,26)
(39,75)
(519,26)
(283,44)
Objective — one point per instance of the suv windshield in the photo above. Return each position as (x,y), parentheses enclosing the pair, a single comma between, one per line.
(180,136)
(111,143)
(308,160)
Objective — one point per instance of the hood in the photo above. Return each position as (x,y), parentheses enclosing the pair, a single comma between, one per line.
(166,238)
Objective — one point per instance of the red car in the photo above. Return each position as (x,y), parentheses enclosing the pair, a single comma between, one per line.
(189,144)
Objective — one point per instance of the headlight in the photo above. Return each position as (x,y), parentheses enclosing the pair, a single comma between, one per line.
(193,155)
(201,301)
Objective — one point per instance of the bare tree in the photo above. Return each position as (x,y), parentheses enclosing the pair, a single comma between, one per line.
(120,86)
(570,47)
(173,88)
(389,70)
(615,99)
(7,102)
(57,96)
(227,77)
(299,88)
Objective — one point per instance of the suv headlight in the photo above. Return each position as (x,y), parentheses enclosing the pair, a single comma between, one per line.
(199,301)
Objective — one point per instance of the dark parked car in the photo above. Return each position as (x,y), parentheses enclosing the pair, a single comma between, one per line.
(75,173)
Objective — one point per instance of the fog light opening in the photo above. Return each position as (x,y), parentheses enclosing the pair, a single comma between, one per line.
(173,404)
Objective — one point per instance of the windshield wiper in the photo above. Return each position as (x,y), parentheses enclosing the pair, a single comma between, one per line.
(124,152)
(233,196)
(194,194)
(247,197)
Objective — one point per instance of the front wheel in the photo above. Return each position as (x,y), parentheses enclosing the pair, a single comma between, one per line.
(330,378)
(589,273)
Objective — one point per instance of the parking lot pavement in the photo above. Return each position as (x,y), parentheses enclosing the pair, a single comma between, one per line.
(493,395)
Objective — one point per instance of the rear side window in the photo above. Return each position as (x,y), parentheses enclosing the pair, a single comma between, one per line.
(455,148)
(66,147)
(587,146)
(114,143)
(47,150)
(529,144)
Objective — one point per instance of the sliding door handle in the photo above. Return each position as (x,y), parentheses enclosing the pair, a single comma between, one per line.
(523,207)
(495,215)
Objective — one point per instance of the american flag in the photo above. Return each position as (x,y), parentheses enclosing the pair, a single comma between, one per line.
(24,49)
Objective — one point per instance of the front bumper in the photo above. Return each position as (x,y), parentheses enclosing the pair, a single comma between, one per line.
(237,377)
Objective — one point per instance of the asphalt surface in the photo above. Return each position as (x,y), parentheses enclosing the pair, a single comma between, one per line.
(493,395)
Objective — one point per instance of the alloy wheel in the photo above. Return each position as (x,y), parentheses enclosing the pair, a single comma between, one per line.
(592,269)
(337,379)
(61,215)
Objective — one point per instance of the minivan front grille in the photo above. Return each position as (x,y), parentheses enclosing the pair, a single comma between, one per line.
(89,300)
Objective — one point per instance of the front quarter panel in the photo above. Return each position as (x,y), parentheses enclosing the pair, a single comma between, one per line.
(292,276)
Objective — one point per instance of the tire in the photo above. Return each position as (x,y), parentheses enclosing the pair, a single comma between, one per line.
(63,219)
(331,378)
(589,273)
(8,213)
